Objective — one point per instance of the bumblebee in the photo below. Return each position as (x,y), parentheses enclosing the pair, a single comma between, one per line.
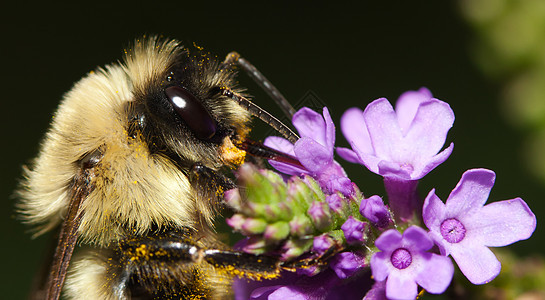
(131,171)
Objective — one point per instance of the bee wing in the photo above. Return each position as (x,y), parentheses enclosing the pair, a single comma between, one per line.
(81,187)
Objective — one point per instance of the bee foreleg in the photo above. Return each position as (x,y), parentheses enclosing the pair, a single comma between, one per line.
(209,184)
(179,249)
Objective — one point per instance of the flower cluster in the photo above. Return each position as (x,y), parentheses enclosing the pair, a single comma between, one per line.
(320,215)
(287,217)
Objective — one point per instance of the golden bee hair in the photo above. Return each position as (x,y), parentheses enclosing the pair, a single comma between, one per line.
(134,188)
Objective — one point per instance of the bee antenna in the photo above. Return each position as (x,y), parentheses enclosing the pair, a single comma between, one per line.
(262,81)
(262,114)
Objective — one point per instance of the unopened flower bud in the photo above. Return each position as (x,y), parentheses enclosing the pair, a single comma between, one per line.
(294,248)
(354,230)
(338,205)
(253,226)
(262,186)
(301,225)
(375,211)
(276,232)
(320,215)
(299,195)
(322,243)
(345,264)
(236,221)
(255,245)
(232,199)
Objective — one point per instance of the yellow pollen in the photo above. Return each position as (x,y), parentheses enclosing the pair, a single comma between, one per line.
(232,154)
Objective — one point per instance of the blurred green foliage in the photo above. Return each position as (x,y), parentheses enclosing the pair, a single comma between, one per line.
(509,47)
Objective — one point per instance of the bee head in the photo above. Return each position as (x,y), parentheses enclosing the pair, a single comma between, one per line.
(179,110)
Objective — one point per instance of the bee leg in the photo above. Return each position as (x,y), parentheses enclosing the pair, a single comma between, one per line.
(179,249)
(170,265)
(173,263)
(241,264)
(209,184)
(201,173)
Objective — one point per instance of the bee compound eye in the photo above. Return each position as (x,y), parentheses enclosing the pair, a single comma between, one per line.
(191,110)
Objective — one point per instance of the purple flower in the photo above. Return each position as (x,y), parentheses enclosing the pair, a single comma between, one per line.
(314,150)
(404,264)
(403,143)
(464,227)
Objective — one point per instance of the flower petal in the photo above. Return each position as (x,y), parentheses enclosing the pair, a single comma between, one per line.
(388,168)
(313,156)
(370,161)
(428,131)
(403,143)
(279,143)
(355,131)
(436,275)
(264,292)
(421,170)
(383,129)
(283,145)
(503,223)
(377,292)
(471,192)
(380,265)
(310,124)
(287,168)
(304,287)
(400,287)
(407,105)
(289,292)
(348,155)
(417,238)
(388,240)
(329,130)
(476,261)
(433,212)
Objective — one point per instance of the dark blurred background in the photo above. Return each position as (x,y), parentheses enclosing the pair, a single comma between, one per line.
(339,54)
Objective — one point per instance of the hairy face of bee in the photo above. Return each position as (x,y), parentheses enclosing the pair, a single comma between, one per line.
(141,125)
(182,109)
